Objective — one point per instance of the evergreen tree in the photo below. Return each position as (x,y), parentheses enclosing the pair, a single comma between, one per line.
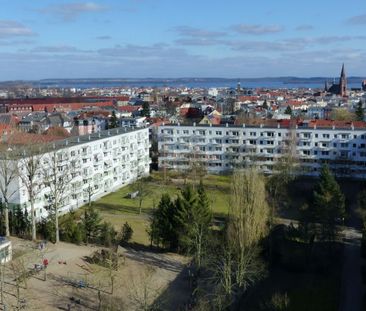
(91,224)
(126,234)
(163,226)
(114,120)
(288,111)
(360,114)
(329,203)
(265,105)
(202,218)
(70,230)
(107,234)
(145,109)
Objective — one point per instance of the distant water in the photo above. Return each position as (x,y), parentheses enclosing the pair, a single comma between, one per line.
(193,84)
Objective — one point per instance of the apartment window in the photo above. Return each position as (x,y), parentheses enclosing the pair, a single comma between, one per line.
(235,133)
(324,144)
(335,145)
(335,135)
(253,134)
(316,135)
(185,132)
(325,135)
(218,133)
(306,152)
(315,152)
(279,134)
(252,142)
(344,145)
(325,152)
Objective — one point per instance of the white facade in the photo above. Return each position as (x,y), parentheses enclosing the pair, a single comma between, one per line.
(222,148)
(101,163)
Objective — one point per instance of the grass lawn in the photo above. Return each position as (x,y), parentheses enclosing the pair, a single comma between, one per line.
(117,208)
(217,188)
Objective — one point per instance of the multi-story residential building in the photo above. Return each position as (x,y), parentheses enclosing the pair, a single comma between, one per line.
(222,148)
(93,166)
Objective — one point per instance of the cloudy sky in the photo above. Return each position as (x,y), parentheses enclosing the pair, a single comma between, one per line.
(175,38)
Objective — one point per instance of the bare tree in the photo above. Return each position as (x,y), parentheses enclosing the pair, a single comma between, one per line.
(30,172)
(57,177)
(142,190)
(8,178)
(248,224)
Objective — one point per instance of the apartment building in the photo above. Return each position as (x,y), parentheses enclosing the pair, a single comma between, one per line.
(93,166)
(224,147)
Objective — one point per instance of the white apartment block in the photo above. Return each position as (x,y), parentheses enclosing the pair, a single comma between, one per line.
(223,148)
(95,164)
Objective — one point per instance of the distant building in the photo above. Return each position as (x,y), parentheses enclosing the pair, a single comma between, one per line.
(364,85)
(222,148)
(340,88)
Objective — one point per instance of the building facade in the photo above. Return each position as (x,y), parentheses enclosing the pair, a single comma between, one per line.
(93,165)
(223,148)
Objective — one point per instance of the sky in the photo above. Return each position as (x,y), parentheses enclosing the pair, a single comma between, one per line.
(42,39)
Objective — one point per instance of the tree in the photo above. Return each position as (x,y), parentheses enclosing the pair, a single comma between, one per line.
(145,109)
(57,177)
(30,169)
(329,203)
(126,233)
(163,225)
(142,191)
(8,186)
(114,120)
(91,223)
(265,105)
(247,225)
(360,114)
(342,114)
(288,111)
(70,229)
(107,234)
(202,217)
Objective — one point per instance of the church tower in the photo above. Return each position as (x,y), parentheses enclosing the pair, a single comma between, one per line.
(343,83)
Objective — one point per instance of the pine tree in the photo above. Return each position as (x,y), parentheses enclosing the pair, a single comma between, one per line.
(360,114)
(114,120)
(163,226)
(91,223)
(265,105)
(145,109)
(288,111)
(329,203)
(202,218)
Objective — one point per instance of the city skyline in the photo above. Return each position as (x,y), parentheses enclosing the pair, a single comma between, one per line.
(144,38)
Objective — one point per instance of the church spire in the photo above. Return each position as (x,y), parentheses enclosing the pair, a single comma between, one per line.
(343,83)
(343,73)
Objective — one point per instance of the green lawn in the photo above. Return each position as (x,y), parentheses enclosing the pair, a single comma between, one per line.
(117,208)
(217,188)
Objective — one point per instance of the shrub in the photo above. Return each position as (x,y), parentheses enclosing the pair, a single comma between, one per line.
(125,234)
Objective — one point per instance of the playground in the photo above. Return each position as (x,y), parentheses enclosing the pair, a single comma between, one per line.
(71,280)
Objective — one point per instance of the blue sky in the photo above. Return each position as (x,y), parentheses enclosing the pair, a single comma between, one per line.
(173,38)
